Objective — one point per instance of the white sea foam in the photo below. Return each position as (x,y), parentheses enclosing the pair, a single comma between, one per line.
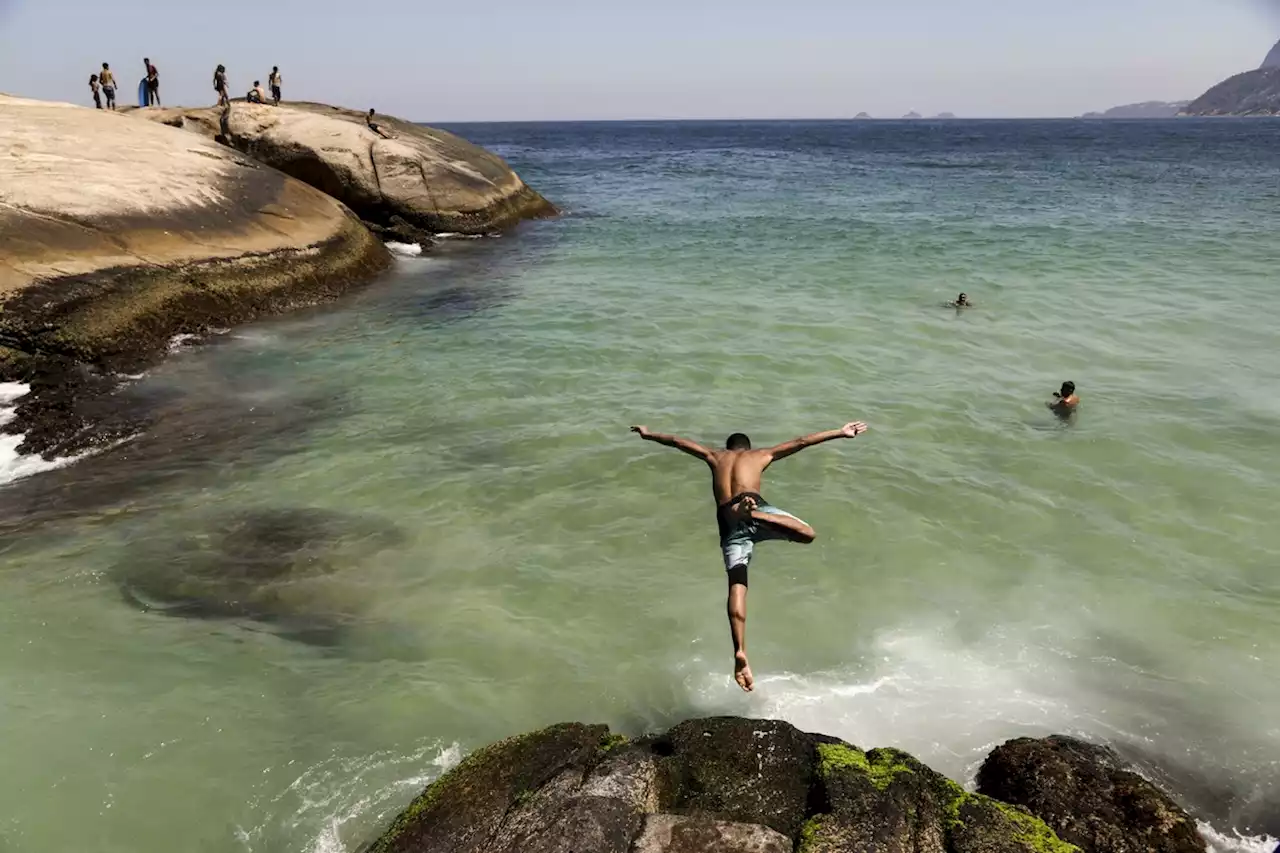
(330,794)
(404,250)
(1234,842)
(454,235)
(182,341)
(938,700)
(15,465)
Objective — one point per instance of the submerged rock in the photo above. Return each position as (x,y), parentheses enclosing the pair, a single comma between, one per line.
(427,179)
(720,785)
(282,568)
(1088,796)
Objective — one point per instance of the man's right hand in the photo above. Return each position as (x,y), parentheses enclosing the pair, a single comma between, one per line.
(642,431)
(853,430)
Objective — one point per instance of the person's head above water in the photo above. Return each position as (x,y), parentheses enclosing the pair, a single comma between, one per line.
(737,441)
(1068,388)
(962,299)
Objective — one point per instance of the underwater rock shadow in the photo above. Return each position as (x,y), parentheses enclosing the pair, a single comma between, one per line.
(288,571)
(184,439)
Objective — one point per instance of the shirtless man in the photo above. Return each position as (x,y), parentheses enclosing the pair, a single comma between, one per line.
(1064,401)
(744,517)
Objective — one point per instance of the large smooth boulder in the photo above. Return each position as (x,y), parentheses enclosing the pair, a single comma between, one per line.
(423,177)
(117,234)
(1088,796)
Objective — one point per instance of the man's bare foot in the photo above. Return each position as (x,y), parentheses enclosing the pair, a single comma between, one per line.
(746,507)
(742,672)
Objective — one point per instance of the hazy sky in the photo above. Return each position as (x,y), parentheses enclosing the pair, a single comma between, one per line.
(564,59)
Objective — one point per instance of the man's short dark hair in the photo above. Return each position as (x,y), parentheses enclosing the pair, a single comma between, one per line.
(1068,388)
(737,441)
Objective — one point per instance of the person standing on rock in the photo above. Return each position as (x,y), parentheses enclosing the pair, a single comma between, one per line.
(93,87)
(220,85)
(744,517)
(153,84)
(274,82)
(108,81)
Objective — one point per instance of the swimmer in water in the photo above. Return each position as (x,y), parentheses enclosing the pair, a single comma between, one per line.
(1064,401)
(744,517)
(962,301)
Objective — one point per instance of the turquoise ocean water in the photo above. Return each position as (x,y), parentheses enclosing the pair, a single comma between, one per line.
(436,530)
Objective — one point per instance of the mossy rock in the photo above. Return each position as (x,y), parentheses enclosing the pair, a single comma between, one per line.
(1088,796)
(739,770)
(462,811)
(886,801)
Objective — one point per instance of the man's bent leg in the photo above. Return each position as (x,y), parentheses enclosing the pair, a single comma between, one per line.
(737,610)
(785,526)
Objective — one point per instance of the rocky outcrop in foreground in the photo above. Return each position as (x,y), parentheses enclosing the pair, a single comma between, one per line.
(117,234)
(731,785)
(420,182)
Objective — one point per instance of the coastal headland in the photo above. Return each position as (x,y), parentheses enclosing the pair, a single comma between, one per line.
(118,233)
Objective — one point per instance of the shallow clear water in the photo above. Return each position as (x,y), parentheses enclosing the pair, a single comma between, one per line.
(466,542)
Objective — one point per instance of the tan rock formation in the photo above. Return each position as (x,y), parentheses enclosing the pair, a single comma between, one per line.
(429,178)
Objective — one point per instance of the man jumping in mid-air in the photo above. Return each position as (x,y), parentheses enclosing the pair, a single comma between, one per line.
(744,517)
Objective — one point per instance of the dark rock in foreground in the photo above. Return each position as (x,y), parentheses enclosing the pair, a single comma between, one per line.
(1088,796)
(731,785)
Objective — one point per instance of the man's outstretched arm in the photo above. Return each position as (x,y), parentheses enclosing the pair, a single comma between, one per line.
(849,430)
(684,444)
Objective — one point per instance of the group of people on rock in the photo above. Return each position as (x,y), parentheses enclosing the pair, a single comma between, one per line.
(256,95)
(103,87)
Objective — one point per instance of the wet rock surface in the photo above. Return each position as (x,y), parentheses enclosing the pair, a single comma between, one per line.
(1089,797)
(727,785)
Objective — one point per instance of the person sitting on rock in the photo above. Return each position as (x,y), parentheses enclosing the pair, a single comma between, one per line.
(374,126)
(256,95)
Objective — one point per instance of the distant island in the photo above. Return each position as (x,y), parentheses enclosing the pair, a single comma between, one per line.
(1253,93)
(913,114)
(1146,109)
(862,115)
(945,115)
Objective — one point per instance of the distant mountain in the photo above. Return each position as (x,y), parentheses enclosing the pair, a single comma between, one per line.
(945,115)
(1146,109)
(863,115)
(1253,93)
(913,114)
(1273,58)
